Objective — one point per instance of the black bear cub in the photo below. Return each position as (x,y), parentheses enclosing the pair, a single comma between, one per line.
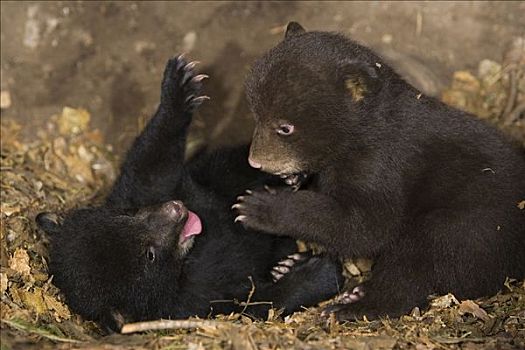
(428,192)
(164,244)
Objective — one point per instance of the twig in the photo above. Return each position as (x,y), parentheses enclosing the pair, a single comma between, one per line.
(168,324)
(249,295)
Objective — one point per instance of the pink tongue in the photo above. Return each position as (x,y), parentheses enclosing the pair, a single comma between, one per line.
(193,225)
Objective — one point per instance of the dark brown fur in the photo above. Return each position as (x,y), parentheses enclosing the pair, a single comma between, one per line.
(428,192)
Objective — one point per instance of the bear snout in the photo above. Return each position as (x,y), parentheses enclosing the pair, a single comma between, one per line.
(173,211)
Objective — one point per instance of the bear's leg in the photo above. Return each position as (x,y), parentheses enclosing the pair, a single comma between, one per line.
(399,283)
(444,251)
(152,169)
(311,280)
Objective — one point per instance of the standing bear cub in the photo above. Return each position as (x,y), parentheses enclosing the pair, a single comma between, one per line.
(164,244)
(430,193)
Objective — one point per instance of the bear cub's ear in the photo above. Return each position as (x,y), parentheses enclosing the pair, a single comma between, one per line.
(293,29)
(49,222)
(360,79)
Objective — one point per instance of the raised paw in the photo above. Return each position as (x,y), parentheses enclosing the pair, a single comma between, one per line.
(259,210)
(181,86)
(286,265)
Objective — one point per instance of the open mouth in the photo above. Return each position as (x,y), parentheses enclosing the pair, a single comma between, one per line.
(293,179)
(192,226)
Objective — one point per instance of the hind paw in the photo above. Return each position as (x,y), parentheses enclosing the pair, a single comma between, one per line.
(286,265)
(350,297)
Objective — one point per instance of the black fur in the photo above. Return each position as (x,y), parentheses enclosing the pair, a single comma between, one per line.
(127,261)
(428,192)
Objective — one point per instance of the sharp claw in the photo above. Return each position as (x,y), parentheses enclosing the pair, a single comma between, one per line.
(276,275)
(348,298)
(200,99)
(240,198)
(358,291)
(296,257)
(191,65)
(180,61)
(236,205)
(240,218)
(200,77)
(281,269)
(249,191)
(287,262)
(203,97)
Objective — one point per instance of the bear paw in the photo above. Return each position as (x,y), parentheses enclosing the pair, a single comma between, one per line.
(286,265)
(181,86)
(259,210)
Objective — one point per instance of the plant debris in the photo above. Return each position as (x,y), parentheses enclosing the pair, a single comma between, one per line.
(496,92)
(68,165)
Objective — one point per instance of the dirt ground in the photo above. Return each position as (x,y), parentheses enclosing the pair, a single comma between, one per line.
(80,79)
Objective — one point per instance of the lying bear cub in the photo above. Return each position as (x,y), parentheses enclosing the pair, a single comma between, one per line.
(144,255)
(426,191)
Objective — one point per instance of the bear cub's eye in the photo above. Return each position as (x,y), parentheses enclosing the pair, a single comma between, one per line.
(150,254)
(285,129)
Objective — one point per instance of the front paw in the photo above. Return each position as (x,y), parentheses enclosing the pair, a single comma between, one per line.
(181,86)
(258,210)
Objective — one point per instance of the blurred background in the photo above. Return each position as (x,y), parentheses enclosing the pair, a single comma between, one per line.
(108,57)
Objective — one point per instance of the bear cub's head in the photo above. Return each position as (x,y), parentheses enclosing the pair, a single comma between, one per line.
(311,95)
(116,265)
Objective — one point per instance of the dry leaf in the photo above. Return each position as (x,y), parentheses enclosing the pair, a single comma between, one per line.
(444,301)
(3,283)
(20,262)
(34,300)
(61,311)
(468,306)
(9,210)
